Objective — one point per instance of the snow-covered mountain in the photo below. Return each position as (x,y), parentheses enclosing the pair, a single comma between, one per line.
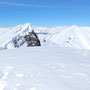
(8,36)
(64,36)
(68,36)
(73,36)
(58,64)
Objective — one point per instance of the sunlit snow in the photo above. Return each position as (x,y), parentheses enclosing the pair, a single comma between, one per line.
(43,68)
(61,63)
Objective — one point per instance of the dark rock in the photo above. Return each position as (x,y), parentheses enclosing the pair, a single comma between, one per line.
(32,39)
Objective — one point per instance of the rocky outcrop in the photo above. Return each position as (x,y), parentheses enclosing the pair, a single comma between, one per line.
(32,39)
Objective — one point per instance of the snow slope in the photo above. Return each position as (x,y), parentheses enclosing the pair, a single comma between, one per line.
(73,37)
(7,37)
(44,68)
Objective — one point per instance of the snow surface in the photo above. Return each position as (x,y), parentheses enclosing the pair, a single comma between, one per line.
(44,68)
(61,63)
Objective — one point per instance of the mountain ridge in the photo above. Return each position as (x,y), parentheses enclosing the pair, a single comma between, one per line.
(76,37)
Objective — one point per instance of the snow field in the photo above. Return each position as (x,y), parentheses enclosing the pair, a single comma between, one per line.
(44,68)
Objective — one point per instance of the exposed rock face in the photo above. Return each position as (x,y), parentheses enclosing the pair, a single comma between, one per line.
(32,39)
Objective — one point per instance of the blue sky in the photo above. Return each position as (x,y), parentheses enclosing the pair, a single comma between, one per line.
(44,12)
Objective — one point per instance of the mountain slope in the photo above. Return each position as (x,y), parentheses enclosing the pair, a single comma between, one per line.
(74,37)
(8,37)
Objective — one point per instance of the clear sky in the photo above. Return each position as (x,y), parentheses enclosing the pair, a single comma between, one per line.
(44,12)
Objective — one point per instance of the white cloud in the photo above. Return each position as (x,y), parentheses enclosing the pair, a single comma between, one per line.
(25,5)
(41,6)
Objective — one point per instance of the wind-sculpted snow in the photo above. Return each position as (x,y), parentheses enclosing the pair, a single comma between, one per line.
(44,68)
